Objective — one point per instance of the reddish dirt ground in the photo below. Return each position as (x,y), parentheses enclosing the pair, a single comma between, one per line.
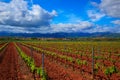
(10,62)
(8,66)
(1,44)
(12,66)
(54,71)
(99,75)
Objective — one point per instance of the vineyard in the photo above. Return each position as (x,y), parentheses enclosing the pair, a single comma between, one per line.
(60,60)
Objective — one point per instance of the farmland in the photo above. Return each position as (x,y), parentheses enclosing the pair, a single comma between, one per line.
(60,60)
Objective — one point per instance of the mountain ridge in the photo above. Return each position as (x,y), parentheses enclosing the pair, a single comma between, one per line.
(60,35)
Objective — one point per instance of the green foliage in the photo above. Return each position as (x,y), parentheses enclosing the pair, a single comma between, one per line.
(110,70)
(97,66)
(118,55)
(42,73)
(39,71)
(70,59)
(3,46)
(78,61)
(81,49)
(32,67)
(77,52)
(84,62)
(30,63)
(98,57)
(81,62)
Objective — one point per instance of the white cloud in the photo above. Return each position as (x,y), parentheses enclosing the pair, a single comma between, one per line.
(17,16)
(18,13)
(83,26)
(13,29)
(104,28)
(117,22)
(70,27)
(95,16)
(60,27)
(110,7)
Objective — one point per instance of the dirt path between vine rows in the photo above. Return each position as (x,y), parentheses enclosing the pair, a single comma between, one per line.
(54,71)
(12,67)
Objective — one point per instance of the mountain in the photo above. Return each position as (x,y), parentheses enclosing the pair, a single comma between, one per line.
(60,35)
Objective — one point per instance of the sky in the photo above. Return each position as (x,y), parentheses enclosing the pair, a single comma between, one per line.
(51,16)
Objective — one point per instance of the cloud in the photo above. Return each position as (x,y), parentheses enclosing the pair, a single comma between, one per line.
(95,16)
(70,27)
(12,29)
(60,27)
(110,7)
(104,28)
(18,13)
(83,26)
(117,22)
(17,16)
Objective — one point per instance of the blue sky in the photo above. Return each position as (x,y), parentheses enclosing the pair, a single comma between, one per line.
(50,16)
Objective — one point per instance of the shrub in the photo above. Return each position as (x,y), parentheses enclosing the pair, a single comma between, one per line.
(110,70)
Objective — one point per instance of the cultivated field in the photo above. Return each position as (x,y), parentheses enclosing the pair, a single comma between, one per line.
(60,60)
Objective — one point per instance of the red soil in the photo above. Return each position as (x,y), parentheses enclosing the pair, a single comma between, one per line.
(87,69)
(10,64)
(1,44)
(54,71)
